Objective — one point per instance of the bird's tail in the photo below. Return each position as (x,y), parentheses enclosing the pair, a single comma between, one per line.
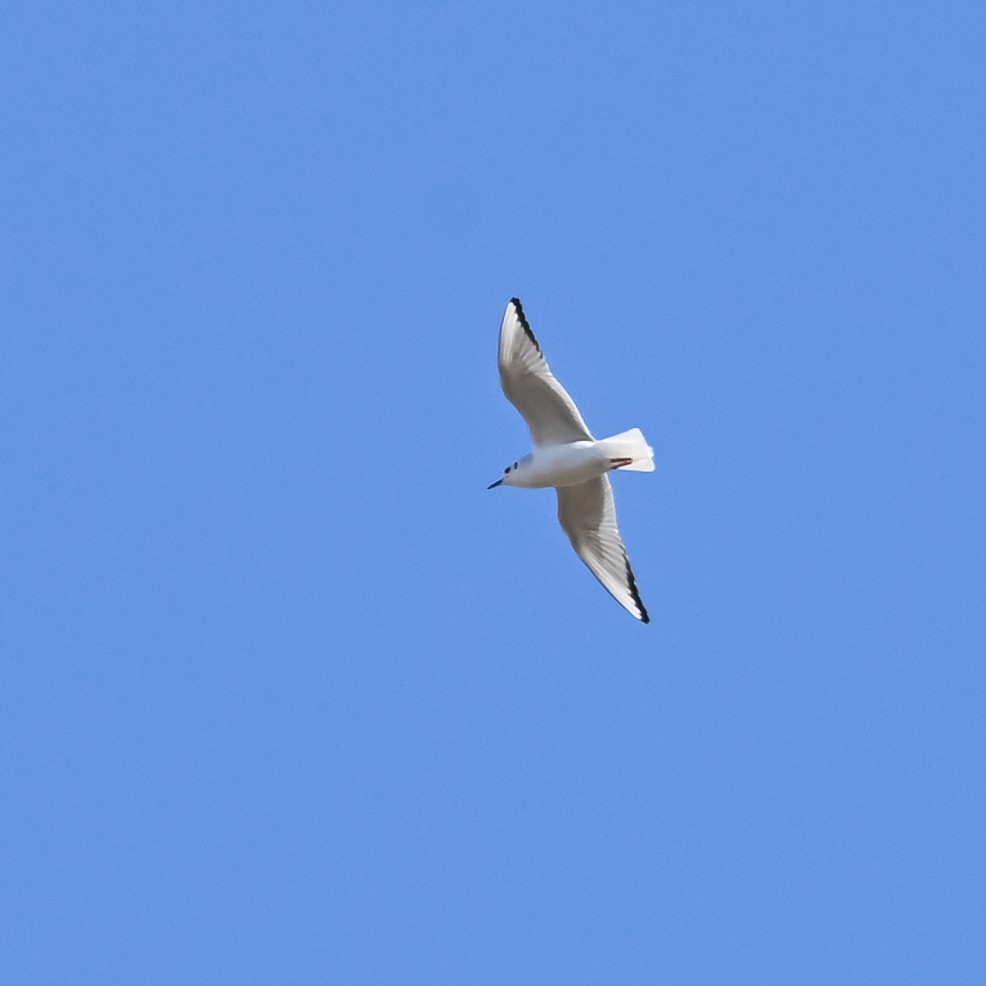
(630,445)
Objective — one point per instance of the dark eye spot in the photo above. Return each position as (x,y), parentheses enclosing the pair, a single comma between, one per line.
(505,471)
(515,465)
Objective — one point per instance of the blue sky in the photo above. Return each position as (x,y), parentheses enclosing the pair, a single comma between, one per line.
(288,696)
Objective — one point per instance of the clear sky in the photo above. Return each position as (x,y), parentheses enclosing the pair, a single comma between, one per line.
(286,696)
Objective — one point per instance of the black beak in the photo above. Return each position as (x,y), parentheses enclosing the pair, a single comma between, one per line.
(497,483)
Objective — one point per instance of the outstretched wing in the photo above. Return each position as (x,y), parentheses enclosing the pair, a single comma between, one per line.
(588,515)
(531,386)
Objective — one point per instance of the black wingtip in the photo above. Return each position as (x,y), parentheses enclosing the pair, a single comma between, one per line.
(632,586)
(524,324)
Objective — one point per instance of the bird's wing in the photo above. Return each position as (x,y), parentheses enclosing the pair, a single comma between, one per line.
(531,386)
(588,515)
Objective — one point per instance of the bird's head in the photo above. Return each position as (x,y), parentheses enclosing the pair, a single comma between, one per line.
(509,476)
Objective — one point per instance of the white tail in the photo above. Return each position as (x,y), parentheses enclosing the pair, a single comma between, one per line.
(630,445)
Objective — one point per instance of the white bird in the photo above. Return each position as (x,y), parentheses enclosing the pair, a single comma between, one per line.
(567,457)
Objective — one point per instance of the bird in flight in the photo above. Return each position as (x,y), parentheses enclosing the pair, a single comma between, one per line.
(567,457)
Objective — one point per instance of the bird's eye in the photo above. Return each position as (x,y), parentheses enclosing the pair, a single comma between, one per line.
(505,471)
(515,465)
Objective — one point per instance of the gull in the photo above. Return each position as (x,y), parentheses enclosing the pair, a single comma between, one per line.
(567,457)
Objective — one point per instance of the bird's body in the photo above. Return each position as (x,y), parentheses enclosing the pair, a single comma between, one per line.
(570,464)
(557,465)
(567,457)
